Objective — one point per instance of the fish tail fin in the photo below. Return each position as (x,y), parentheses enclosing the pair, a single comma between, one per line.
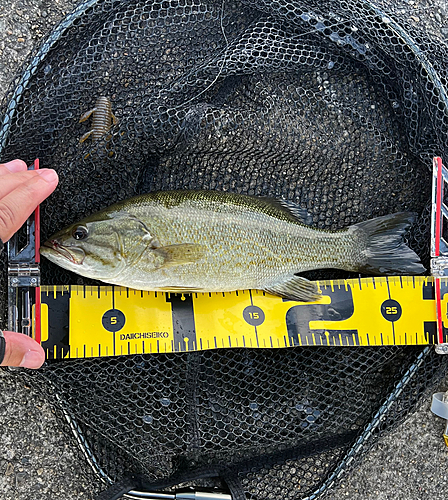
(384,250)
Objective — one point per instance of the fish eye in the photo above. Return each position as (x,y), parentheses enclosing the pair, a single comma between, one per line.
(80,233)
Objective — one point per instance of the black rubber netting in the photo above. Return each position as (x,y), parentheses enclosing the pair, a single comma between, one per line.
(337,106)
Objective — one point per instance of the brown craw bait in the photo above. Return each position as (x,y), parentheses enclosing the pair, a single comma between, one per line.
(102,119)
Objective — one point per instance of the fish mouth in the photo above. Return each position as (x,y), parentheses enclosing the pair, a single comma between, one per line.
(74,255)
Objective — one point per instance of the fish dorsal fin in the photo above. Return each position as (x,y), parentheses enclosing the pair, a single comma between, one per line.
(291,209)
(295,288)
(184,253)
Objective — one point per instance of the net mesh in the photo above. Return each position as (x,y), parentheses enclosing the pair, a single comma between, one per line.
(337,106)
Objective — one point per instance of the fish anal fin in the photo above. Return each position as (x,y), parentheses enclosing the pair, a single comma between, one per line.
(295,288)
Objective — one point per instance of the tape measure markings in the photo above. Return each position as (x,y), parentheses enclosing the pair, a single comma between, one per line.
(392,307)
(254,313)
(365,311)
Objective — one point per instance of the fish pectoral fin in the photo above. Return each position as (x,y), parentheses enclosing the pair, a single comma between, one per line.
(184,253)
(295,288)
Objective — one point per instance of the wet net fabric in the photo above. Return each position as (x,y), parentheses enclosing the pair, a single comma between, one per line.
(336,106)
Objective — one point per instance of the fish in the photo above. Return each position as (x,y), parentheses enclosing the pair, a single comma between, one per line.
(211,241)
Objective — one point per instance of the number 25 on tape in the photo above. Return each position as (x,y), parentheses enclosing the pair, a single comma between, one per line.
(391,310)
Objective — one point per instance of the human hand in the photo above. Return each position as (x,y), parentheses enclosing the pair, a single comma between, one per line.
(21,190)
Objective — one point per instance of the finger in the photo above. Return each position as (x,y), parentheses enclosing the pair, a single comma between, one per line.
(16,207)
(13,181)
(12,167)
(21,350)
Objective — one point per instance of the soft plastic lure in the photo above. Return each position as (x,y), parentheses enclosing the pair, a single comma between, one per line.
(102,119)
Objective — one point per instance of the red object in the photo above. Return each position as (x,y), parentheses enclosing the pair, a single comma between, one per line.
(37,225)
(438,205)
(37,305)
(437,248)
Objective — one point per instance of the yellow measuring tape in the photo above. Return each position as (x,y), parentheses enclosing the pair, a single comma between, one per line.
(91,321)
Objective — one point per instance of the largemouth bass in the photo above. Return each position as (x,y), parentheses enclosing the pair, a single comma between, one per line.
(207,241)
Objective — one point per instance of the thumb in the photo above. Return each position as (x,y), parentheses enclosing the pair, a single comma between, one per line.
(21,350)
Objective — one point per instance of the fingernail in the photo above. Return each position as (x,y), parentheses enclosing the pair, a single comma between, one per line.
(15,166)
(32,359)
(48,174)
